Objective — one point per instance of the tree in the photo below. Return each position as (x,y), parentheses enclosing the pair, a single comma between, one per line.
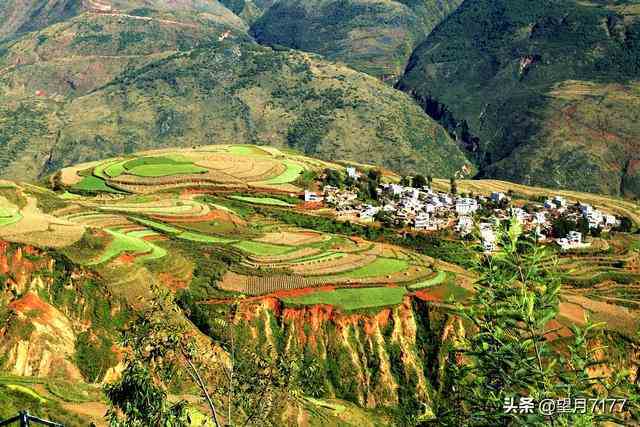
(507,352)
(405,181)
(419,181)
(229,372)
(625,226)
(430,180)
(454,186)
(374,175)
(333,177)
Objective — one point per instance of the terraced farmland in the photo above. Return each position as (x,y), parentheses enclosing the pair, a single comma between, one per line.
(219,166)
(214,199)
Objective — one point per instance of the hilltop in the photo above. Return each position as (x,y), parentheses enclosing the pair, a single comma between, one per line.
(542,93)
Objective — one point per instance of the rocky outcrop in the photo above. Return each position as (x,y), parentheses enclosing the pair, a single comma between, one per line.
(383,358)
(38,340)
(46,303)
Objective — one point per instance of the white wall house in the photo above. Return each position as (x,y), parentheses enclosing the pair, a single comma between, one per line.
(311,196)
(465,225)
(422,222)
(497,197)
(466,206)
(352,172)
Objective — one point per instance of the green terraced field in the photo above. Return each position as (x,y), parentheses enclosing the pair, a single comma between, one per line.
(114,169)
(262,201)
(439,278)
(289,175)
(122,243)
(352,299)
(157,225)
(243,150)
(203,238)
(9,215)
(258,248)
(93,184)
(169,169)
(379,267)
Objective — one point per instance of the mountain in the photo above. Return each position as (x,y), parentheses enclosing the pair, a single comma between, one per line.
(376,37)
(541,92)
(110,83)
(22,16)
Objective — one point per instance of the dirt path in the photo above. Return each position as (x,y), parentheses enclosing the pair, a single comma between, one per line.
(94,411)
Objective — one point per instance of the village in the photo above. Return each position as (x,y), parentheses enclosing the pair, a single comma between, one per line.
(420,208)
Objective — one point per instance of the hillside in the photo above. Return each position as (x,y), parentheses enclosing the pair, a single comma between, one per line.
(365,314)
(206,224)
(543,93)
(107,82)
(22,16)
(376,37)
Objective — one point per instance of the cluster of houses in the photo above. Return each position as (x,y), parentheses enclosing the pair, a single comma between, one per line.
(428,210)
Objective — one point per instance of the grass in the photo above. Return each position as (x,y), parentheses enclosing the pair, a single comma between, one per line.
(258,248)
(439,278)
(379,267)
(167,169)
(26,390)
(262,201)
(289,175)
(352,299)
(94,184)
(9,216)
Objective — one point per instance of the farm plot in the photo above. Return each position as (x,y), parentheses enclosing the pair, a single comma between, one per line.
(259,248)
(95,185)
(9,213)
(182,234)
(37,228)
(170,207)
(437,279)
(289,256)
(270,201)
(293,171)
(295,238)
(124,243)
(351,299)
(379,267)
(259,285)
(346,263)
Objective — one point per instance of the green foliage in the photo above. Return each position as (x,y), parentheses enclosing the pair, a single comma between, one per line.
(506,352)
(14,400)
(333,178)
(138,401)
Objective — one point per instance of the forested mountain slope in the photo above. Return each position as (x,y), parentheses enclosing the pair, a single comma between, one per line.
(541,92)
(376,37)
(145,74)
